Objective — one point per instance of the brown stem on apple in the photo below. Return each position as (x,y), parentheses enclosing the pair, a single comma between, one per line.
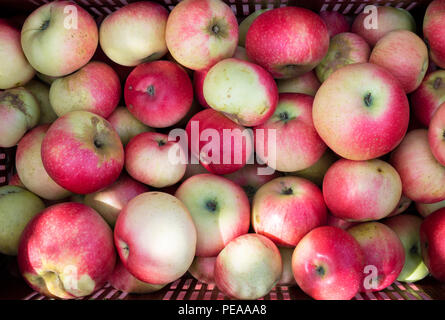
(287,191)
(368,99)
(437,83)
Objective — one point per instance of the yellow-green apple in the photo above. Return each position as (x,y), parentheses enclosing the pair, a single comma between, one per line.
(232,83)
(221,145)
(28,162)
(428,97)
(15,70)
(405,55)
(198,85)
(339,222)
(423,177)
(19,112)
(361,190)
(335,22)
(17,207)
(407,228)
(220,210)
(384,255)
(432,233)
(126,125)
(66,251)
(317,171)
(82,152)
(203,269)
(425,209)
(361,111)
(155,237)
(307,83)
(59,37)
(287,276)
(287,208)
(328,264)
(154,151)
(344,48)
(436,134)
(200,33)
(401,207)
(248,267)
(110,201)
(95,88)
(135,33)
(121,279)
(245,25)
(158,93)
(434,31)
(298,145)
(373,28)
(304,33)
(40,91)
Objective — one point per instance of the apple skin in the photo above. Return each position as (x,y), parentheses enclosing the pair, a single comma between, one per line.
(388,19)
(401,207)
(344,48)
(317,171)
(152,150)
(422,176)
(248,267)
(213,120)
(198,85)
(41,92)
(155,237)
(241,54)
(328,264)
(361,190)
(126,125)
(50,46)
(95,88)
(110,201)
(407,228)
(30,169)
(428,97)
(433,31)
(82,146)
(405,55)
(15,70)
(158,93)
(203,269)
(15,181)
(200,33)
(307,83)
(245,25)
(17,207)
(334,221)
(365,119)
(232,83)
(432,232)
(298,145)
(287,208)
(382,249)
(425,209)
(287,277)
(135,33)
(335,22)
(436,134)
(304,32)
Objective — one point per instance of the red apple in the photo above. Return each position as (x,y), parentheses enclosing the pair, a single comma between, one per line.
(203,269)
(436,134)
(434,31)
(401,207)
(198,84)
(245,25)
(307,83)
(334,221)
(335,22)
(287,277)
(425,209)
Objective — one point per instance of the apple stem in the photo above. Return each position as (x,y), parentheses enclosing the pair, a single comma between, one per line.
(368,99)
(215,29)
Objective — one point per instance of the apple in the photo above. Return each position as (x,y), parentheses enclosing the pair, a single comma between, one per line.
(41,92)
(328,264)
(95,88)
(335,22)
(401,207)
(241,54)
(126,125)
(158,93)
(407,228)
(361,190)
(203,269)
(135,33)
(361,112)
(28,161)
(245,25)
(198,85)
(59,37)
(344,48)
(66,251)
(374,27)
(287,277)
(232,83)
(154,151)
(307,83)
(155,237)
(15,70)
(200,33)
(317,171)
(334,221)
(432,232)
(305,36)
(15,181)
(384,255)
(221,145)
(405,55)
(422,176)
(433,31)
(19,112)
(82,152)
(110,201)
(287,208)
(17,207)
(220,210)
(248,267)
(298,145)
(425,209)
(45,78)
(436,134)
(428,97)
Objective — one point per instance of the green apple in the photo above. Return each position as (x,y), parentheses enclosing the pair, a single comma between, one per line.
(40,91)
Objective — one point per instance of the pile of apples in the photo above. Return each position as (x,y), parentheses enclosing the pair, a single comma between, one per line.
(347,193)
